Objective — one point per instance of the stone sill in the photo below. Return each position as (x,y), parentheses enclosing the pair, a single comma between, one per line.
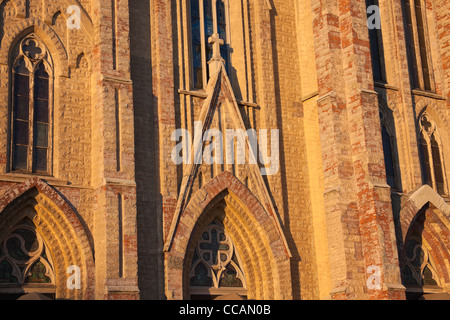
(385,86)
(20,178)
(428,94)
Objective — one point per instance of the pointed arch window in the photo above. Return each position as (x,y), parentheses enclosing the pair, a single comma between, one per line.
(32,84)
(432,155)
(216,265)
(208,17)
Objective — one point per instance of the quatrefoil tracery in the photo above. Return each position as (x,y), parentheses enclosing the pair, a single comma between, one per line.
(427,124)
(31,52)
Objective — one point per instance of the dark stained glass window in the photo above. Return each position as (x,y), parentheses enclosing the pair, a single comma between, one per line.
(222,30)
(410,42)
(196,39)
(416,36)
(30,126)
(41,119)
(209,26)
(6,273)
(201,278)
(38,274)
(229,278)
(204,23)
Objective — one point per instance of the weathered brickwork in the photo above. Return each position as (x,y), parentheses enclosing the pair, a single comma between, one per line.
(115,204)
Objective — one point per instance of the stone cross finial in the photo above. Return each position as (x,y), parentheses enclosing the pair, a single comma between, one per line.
(216,42)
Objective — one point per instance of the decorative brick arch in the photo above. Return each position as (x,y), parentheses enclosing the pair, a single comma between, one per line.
(42,30)
(59,226)
(266,259)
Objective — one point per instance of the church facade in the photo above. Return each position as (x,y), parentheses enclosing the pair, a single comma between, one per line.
(195,149)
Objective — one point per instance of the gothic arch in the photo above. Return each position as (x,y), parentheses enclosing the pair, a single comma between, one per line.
(427,207)
(265,258)
(48,36)
(416,202)
(59,226)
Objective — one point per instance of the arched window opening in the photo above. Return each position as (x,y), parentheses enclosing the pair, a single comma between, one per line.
(216,266)
(208,18)
(32,72)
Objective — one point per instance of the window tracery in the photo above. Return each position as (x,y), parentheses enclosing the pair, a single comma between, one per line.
(24,258)
(418,269)
(216,266)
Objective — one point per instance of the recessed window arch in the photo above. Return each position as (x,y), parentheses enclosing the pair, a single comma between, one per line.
(431,154)
(31,107)
(216,265)
(207,18)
